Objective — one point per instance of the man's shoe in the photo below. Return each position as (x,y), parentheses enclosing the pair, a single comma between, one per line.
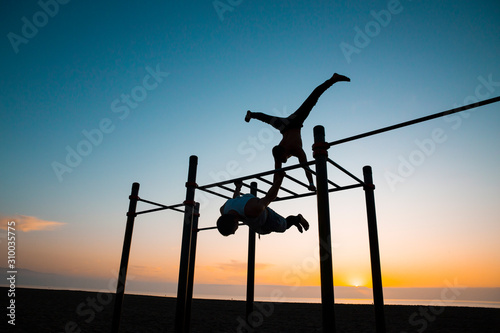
(248,116)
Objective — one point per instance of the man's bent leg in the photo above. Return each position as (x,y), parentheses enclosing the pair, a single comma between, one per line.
(276,122)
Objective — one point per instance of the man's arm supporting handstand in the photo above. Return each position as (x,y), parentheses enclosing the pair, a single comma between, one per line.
(256,206)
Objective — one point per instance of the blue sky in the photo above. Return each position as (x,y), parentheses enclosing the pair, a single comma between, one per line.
(88,68)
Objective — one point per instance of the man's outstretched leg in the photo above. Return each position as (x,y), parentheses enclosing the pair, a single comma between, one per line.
(299,116)
(299,221)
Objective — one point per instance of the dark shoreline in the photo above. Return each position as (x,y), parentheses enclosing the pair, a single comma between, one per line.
(45,310)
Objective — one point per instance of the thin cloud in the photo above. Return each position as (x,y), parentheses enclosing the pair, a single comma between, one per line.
(28,223)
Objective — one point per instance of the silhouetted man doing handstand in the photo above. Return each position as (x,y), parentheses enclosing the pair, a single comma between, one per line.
(254,212)
(291,144)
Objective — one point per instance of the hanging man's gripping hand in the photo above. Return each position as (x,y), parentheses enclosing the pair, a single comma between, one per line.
(237,188)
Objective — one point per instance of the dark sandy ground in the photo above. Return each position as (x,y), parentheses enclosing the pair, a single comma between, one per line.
(78,311)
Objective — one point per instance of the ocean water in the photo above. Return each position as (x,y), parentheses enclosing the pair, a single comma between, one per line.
(422,302)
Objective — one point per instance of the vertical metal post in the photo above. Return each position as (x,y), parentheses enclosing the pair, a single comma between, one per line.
(122,274)
(180,311)
(378,296)
(251,264)
(320,152)
(192,259)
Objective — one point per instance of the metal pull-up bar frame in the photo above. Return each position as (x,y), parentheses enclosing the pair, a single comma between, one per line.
(191,214)
(127,241)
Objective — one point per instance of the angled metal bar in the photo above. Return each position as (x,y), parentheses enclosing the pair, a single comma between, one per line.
(258,190)
(226,188)
(270,172)
(281,187)
(345,171)
(173,207)
(297,181)
(337,189)
(328,180)
(294,196)
(418,120)
(151,202)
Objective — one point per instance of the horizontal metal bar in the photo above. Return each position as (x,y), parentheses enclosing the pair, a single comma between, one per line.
(270,172)
(418,120)
(214,193)
(211,228)
(348,187)
(207,228)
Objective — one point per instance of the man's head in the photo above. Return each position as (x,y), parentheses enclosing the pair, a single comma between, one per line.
(279,154)
(227,224)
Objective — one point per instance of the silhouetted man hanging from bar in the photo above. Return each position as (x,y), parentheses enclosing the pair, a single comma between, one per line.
(291,144)
(255,212)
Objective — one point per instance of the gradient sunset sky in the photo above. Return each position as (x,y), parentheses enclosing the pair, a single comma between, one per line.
(96,96)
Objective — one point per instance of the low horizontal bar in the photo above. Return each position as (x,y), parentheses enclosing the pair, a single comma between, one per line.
(348,187)
(345,171)
(161,208)
(211,228)
(157,204)
(418,120)
(294,196)
(256,175)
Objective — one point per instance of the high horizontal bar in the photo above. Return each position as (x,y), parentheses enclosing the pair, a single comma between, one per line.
(418,120)
(270,172)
